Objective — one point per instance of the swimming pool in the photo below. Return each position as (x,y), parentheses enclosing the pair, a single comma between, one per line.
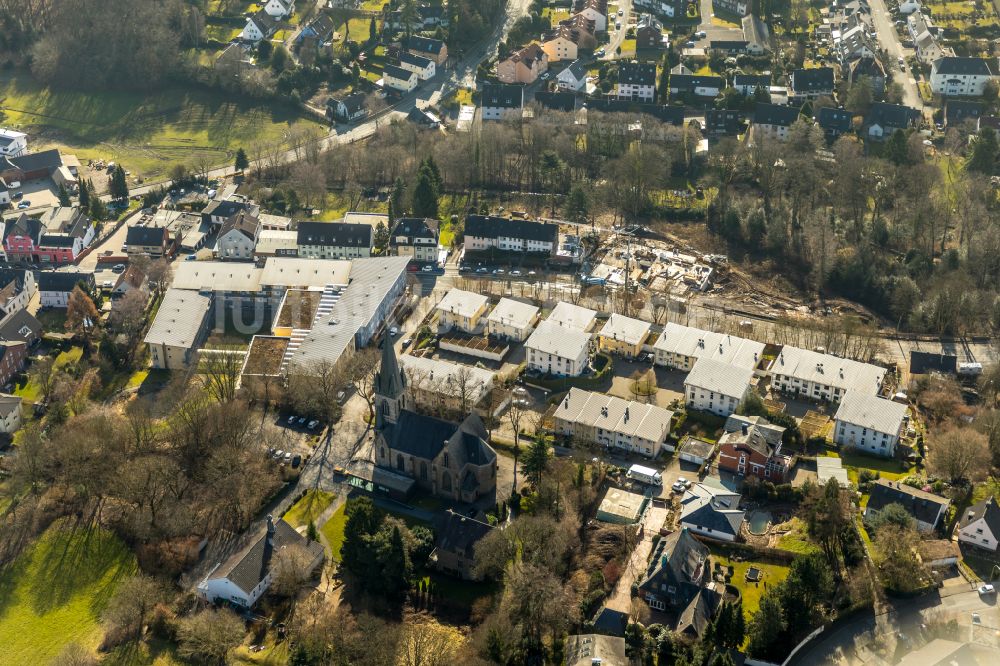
(758,521)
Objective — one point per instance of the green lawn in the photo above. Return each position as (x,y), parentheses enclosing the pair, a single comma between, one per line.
(888,468)
(54,592)
(146,132)
(751,592)
(333,530)
(460,592)
(31,392)
(446,236)
(307,509)
(796,540)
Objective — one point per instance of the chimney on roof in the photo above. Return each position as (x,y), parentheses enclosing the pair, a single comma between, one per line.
(746,429)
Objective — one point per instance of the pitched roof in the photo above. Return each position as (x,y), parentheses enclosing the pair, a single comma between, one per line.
(23,225)
(706,506)
(248,568)
(572,316)
(415,60)
(335,234)
(242,222)
(397,72)
(456,533)
(921,505)
(513,313)
(424,44)
(952,65)
(15,276)
(461,302)
(9,404)
(891,115)
(611,413)
(46,159)
(424,436)
(711,375)
(817,79)
(487,226)
(986,509)
(62,281)
(528,55)
(870,411)
(551,338)
(832,119)
(556,101)
(265,22)
(678,560)
(502,95)
(957,111)
(389,381)
(828,369)
(625,329)
(577,68)
(696,343)
(637,73)
(668,114)
(411,228)
(755,439)
(692,81)
(20,326)
(756,80)
(775,114)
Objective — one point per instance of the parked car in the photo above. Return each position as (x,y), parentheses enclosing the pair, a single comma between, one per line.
(986,589)
(394,331)
(24,204)
(427,269)
(291,419)
(515,273)
(341,397)
(678,487)
(407,342)
(482,269)
(302,421)
(278,454)
(296,461)
(312,424)
(288,456)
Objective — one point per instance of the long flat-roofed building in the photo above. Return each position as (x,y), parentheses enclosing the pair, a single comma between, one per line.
(613,422)
(680,346)
(819,376)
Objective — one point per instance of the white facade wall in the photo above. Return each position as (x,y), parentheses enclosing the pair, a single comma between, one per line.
(866,439)
(963,85)
(978,534)
(712,402)
(635,92)
(234,245)
(11,423)
(556,364)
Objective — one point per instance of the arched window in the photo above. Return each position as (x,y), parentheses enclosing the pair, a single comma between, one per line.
(423,470)
(446,460)
(399,461)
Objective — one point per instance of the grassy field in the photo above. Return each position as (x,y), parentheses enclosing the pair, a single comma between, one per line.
(333,530)
(31,391)
(53,593)
(888,469)
(148,133)
(309,507)
(751,592)
(796,540)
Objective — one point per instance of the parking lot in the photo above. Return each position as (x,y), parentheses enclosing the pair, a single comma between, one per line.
(39,194)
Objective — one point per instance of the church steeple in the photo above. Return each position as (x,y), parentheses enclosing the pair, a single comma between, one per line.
(390,386)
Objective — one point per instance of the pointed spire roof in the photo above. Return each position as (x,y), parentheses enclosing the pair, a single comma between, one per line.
(389,382)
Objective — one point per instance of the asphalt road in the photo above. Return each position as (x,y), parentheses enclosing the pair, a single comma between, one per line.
(889,40)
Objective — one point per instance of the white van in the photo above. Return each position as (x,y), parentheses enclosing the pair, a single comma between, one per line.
(644,475)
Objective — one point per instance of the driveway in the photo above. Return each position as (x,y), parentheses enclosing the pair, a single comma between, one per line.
(621,598)
(113,242)
(888,39)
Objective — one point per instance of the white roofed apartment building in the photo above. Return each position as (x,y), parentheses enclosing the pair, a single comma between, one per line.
(680,346)
(716,387)
(573,316)
(623,335)
(462,310)
(818,376)
(180,326)
(613,422)
(557,350)
(512,320)
(869,423)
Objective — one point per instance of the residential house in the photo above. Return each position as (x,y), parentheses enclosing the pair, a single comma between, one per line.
(695,84)
(424,118)
(234,61)
(957,112)
(448,460)
(434,49)
(834,122)
(963,77)
(869,423)
(56,236)
(749,84)
(772,121)
(678,580)
(259,27)
(149,241)
(20,326)
(611,422)
(13,143)
(557,350)
(55,287)
(416,237)
(247,575)
(664,8)
(432,16)
(131,278)
(728,47)
(810,84)
(680,346)
(709,509)
(723,122)
(455,539)
(883,119)
(568,315)
(636,82)
(672,115)
(564,43)
(595,649)
(649,33)
(348,109)
(523,66)
(423,67)
(756,35)
(926,508)
(573,77)
(556,101)
(857,42)
(753,451)
(237,238)
(10,407)
(980,525)
(334,240)
(35,166)
(867,67)
(623,336)
(924,35)
(731,7)
(221,209)
(485,232)
(181,325)
(399,79)
(595,11)
(716,387)
(462,310)
(279,9)
(818,376)
(512,320)
(276,243)
(501,101)
(13,355)
(319,29)
(17,288)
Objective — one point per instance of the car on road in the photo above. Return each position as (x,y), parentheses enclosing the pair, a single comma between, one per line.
(482,269)
(621,12)
(394,331)
(427,269)
(498,271)
(24,204)
(600,53)
(986,589)
(701,34)
(618,25)
(516,273)
(291,419)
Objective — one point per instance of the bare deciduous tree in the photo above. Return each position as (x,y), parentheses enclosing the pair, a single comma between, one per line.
(209,635)
(959,454)
(220,372)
